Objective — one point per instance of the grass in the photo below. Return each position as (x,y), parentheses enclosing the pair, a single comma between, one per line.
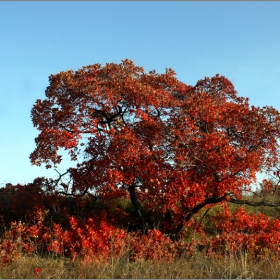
(200,265)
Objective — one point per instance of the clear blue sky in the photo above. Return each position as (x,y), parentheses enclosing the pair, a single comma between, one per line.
(239,40)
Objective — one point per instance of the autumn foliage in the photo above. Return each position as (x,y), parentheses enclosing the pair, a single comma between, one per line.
(253,233)
(165,149)
(173,148)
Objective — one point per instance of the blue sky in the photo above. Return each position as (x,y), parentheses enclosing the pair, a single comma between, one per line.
(239,40)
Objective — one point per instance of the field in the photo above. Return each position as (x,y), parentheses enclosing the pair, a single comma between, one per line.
(201,266)
(23,253)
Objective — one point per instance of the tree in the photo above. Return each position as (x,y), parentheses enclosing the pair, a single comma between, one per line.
(171,147)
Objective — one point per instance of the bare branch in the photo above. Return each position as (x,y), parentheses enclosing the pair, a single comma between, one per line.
(251,203)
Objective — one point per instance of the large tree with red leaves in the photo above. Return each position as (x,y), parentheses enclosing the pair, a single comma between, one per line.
(172,148)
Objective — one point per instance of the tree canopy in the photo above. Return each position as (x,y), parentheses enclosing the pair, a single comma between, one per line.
(171,148)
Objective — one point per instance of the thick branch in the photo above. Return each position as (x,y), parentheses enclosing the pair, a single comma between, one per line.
(247,202)
(196,209)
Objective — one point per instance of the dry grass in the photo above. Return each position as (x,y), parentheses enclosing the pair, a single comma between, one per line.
(234,266)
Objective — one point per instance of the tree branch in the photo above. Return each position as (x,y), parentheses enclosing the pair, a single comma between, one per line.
(251,203)
(196,209)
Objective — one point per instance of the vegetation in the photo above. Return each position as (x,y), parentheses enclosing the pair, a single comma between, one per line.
(162,187)
(208,249)
(201,266)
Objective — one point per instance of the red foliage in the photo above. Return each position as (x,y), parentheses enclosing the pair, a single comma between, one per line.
(90,240)
(22,238)
(152,246)
(170,147)
(251,233)
(98,240)
(20,202)
(37,271)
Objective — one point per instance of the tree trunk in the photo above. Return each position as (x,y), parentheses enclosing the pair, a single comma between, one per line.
(141,214)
